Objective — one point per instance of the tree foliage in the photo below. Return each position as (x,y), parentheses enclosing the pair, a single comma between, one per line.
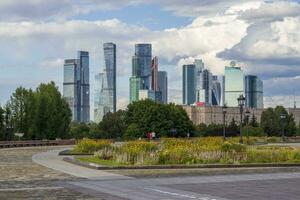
(40,114)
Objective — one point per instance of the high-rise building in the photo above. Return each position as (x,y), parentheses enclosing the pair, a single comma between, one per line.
(216,91)
(203,83)
(77,86)
(222,84)
(189,84)
(141,70)
(106,95)
(135,86)
(254,92)
(154,73)
(234,84)
(163,85)
(150,94)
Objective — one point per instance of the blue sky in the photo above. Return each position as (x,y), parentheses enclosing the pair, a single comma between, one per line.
(262,36)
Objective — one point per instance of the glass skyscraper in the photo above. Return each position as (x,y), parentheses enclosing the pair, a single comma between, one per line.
(77,87)
(234,85)
(163,85)
(216,91)
(189,84)
(105,92)
(254,92)
(141,70)
(203,83)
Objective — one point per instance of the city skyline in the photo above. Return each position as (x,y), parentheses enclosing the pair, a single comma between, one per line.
(257,41)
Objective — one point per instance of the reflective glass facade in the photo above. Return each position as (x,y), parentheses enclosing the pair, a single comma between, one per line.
(234,85)
(105,94)
(216,91)
(76,86)
(189,84)
(163,85)
(135,86)
(254,92)
(203,83)
(142,61)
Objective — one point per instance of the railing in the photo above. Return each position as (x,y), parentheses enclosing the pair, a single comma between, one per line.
(32,143)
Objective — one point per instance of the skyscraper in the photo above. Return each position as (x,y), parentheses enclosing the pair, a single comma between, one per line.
(234,84)
(141,70)
(163,85)
(254,92)
(154,73)
(135,86)
(189,84)
(77,86)
(216,91)
(203,83)
(106,95)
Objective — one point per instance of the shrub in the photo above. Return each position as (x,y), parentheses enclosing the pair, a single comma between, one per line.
(91,146)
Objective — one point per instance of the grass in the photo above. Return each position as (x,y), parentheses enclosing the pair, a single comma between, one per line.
(210,150)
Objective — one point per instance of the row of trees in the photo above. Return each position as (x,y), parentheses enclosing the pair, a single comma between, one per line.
(39,114)
(139,118)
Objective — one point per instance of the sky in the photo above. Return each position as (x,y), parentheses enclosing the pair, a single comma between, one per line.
(262,36)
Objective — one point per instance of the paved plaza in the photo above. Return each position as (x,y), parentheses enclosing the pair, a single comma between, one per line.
(38,173)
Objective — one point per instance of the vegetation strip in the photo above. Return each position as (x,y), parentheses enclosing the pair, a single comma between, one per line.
(208,166)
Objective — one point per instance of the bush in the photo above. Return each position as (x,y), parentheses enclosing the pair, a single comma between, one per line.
(91,146)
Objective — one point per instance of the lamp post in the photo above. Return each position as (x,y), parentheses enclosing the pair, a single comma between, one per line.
(282,118)
(224,109)
(241,103)
(247,115)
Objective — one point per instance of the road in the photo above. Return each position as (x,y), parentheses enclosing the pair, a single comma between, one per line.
(236,187)
(105,185)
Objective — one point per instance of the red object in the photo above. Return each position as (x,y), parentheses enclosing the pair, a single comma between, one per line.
(200,104)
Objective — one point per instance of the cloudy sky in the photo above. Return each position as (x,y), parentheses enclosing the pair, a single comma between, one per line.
(263,36)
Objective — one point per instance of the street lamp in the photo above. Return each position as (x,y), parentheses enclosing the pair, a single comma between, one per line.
(241,103)
(247,115)
(224,109)
(282,118)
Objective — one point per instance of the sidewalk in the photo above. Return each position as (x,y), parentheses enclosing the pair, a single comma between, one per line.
(50,159)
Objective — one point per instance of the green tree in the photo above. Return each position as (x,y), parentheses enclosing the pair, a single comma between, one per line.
(8,123)
(161,119)
(79,130)
(133,131)
(113,125)
(2,130)
(232,129)
(253,121)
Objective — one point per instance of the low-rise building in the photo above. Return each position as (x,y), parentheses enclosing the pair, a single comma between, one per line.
(214,114)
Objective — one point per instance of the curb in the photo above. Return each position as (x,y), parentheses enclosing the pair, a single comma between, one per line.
(203,166)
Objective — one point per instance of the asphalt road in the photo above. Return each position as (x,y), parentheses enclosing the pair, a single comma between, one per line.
(235,187)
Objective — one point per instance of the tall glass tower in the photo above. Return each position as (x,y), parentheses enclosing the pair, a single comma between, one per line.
(234,85)
(163,86)
(203,83)
(189,84)
(105,93)
(77,86)
(141,70)
(254,92)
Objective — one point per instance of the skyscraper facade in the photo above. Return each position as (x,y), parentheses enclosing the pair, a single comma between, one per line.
(163,85)
(141,70)
(77,86)
(189,84)
(254,92)
(203,83)
(154,73)
(216,91)
(234,85)
(105,90)
(135,86)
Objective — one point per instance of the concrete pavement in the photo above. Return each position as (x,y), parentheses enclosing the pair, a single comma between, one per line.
(50,159)
(235,187)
